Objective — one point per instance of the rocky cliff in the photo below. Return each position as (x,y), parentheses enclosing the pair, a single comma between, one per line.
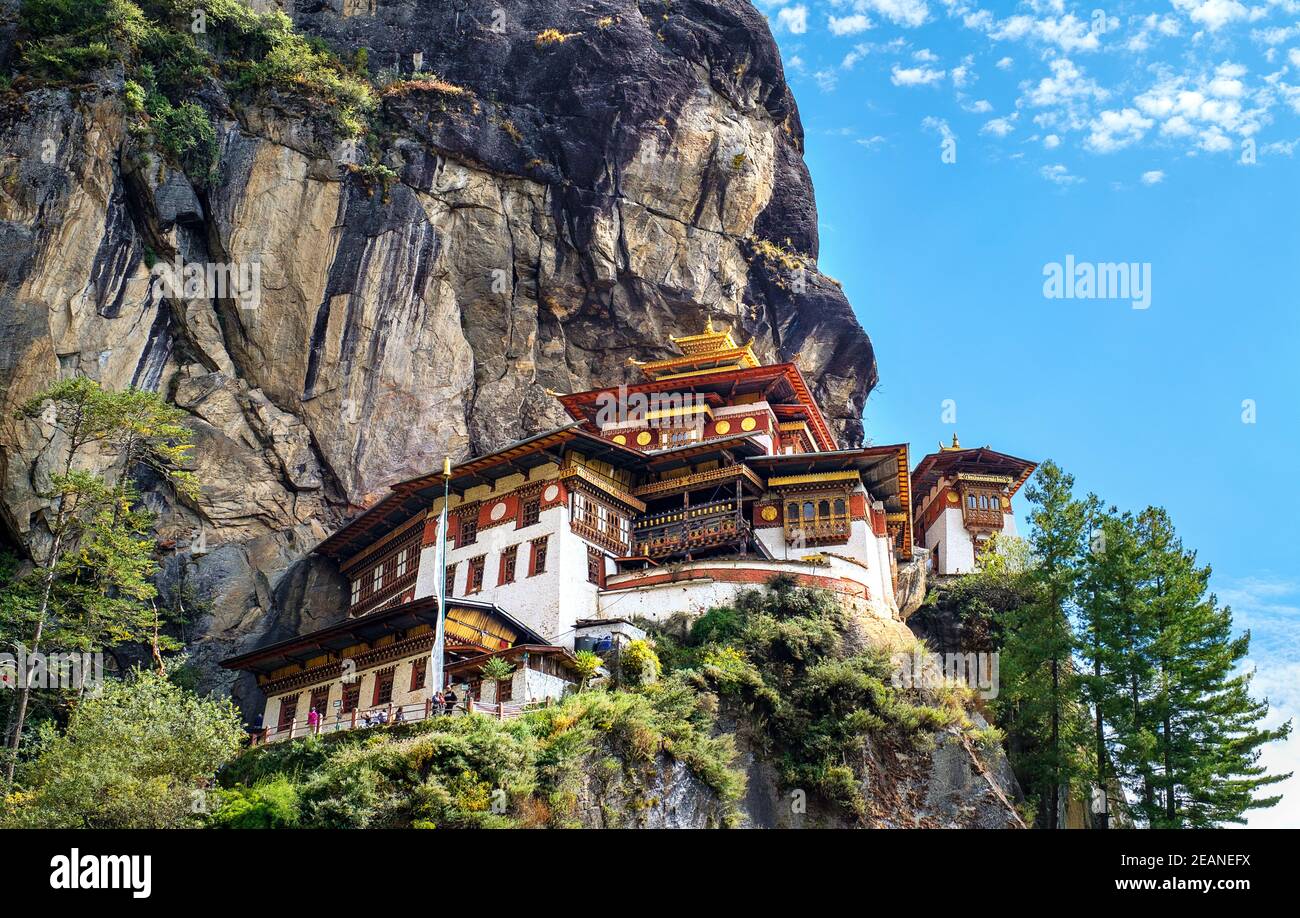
(545,189)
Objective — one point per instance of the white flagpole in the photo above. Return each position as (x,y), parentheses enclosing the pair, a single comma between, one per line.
(440,589)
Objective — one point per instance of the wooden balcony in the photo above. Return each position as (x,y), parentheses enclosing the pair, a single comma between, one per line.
(608,537)
(690,529)
(821,531)
(390,591)
(982,519)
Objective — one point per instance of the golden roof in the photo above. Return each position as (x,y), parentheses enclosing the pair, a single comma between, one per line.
(709,351)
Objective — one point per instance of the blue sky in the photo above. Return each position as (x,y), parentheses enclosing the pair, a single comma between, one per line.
(958,148)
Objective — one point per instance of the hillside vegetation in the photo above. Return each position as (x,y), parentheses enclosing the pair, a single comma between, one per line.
(648,751)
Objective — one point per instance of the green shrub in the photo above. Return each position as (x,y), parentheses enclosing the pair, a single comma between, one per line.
(271,804)
(639,664)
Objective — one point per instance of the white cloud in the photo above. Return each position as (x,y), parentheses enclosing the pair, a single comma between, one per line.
(1213,14)
(915,76)
(1270,608)
(794,19)
(1280,147)
(849,25)
(1114,130)
(1000,127)
(1275,35)
(939,126)
(870,143)
(1154,177)
(1005,63)
(979,107)
(1154,24)
(851,59)
(925,55)
(826,80)
(961,74)
(1059,174)
(1069,33)
(1066,97)
(909,13)
(1209,106)
(1051,141)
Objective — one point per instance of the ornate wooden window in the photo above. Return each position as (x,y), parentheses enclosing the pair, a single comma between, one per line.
(384,578)
(419,673)
(509,557)
(531,513)
(538,563)
(351,695)
(595,567)
(474,579)
(320,699)
(814,519)
(383,687)
(450,586)
(982,509)
(596,522)
(468,530)
(678,436)
(288,710)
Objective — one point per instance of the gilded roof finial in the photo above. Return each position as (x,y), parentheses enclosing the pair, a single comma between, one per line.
(708,324)
(948,449)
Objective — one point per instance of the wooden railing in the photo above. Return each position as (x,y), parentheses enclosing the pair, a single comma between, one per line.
(391,716)
(389,590)
(699,480)
(672,532)
(988,519)
(821,531)
(608,538)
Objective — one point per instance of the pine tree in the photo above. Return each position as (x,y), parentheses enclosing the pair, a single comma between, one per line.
(1111,607)
(1040,698)
(1204,766)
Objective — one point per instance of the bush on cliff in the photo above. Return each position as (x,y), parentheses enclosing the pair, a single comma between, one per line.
(786,657)
(139,754)
(481,772)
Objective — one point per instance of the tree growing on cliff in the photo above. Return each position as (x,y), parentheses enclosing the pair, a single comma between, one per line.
(90,588)
(1040,698)
(1112,617)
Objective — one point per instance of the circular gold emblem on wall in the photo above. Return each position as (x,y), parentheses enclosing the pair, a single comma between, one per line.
(748,424)
(620,439)
(498,510)
(952,497)
(643,438)
(551,492)
(723,427)
(769,513)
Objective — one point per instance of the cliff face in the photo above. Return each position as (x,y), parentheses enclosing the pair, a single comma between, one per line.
(563,200)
